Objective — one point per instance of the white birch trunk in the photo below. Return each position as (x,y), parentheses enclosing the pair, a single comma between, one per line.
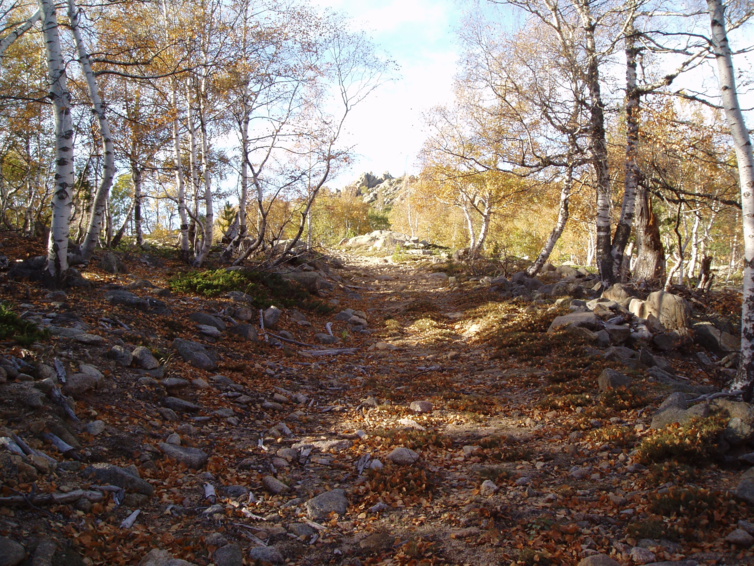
(209,214)
(557,231)
(744,380)
(97,212)
(57,248)
(9,39)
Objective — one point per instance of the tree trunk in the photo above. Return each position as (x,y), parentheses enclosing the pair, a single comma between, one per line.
(633,100)
(209,218)
(744,380)
(137,179)
(9,39)
(57,248)
(598,145)
(650,255)
(96,214)
(122,230)
(563,214)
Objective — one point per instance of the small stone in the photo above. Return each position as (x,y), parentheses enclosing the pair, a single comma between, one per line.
(377,542)
(192,457)
(144,358)
(612,379)
(229,555)
(122,477)
(488,488)
(95,427)
(421,407)
(174,439)
(321,506)
(266,554)
(11,553)
(208,330)
(598,560)
(740,537)
(301,530)
(403,456)
(642,555)
(274,485)
(121,356)
(272,316)
(216,539)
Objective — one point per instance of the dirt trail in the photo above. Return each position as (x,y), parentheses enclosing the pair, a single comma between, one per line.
(520,462)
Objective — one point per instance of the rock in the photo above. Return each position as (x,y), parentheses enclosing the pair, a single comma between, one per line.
(207,330)
(216,539)
(121,356)
(667,341)
(421,407)
(89,339)
(740,537)
(122,477)
(228,555)
(80,383)
(130,300)
(745,488)
(598,560)
(196,354)
(193,457)
(95,427)
(157,557)
(612,379)
(274,485)
(44,553)
(403,456)
(311,281)
(180,405)
(247,331)
(272,316)
(641,555)
(438,278)
(266,554)
(618,293)
(206,319)
(111,263)
(618,333)
(714,339)
(320,507)
(377,542)
(174,383)
(672,310)
(323,338)
(11,553)
(24,393)
(488,488)
(675,415)
(144,358)
(587,320)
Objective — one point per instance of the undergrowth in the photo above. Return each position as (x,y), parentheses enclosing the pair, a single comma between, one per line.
(696,443)
(264,288)
(13,327)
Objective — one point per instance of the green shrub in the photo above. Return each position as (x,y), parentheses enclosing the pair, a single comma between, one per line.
(13,327)
(265,288)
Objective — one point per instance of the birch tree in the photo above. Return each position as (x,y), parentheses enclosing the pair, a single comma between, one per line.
(744,380)
(57,249)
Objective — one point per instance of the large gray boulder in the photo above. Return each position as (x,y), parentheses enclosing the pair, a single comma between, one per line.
(321,506)
(587,320)
(673,311)
(122,477)
(716,340)
(196,354)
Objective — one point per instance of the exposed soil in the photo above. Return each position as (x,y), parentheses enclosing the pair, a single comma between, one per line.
(528,416)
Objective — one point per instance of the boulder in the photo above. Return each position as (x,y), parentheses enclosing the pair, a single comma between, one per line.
(587,320)
(618,293)
(111,263)
(321,506)
(272,316)
(122,477)
(11,553)
(612,379)
(144,358)
(196,354)
(157,557)
(712,338)
(208,320)
(192,457)
(403,456)
(672,310)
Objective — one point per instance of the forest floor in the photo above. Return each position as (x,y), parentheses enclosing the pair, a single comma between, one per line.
(509,403)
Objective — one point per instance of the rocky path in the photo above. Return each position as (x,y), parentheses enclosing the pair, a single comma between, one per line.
(427,434)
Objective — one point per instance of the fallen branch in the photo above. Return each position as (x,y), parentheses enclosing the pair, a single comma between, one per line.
(51,498)
(60,370)
(59,443)
(62,400)
(289,340)
(330,352)
(718,395)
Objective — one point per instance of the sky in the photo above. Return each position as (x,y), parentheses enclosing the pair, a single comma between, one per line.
(387,129)
(419,35)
